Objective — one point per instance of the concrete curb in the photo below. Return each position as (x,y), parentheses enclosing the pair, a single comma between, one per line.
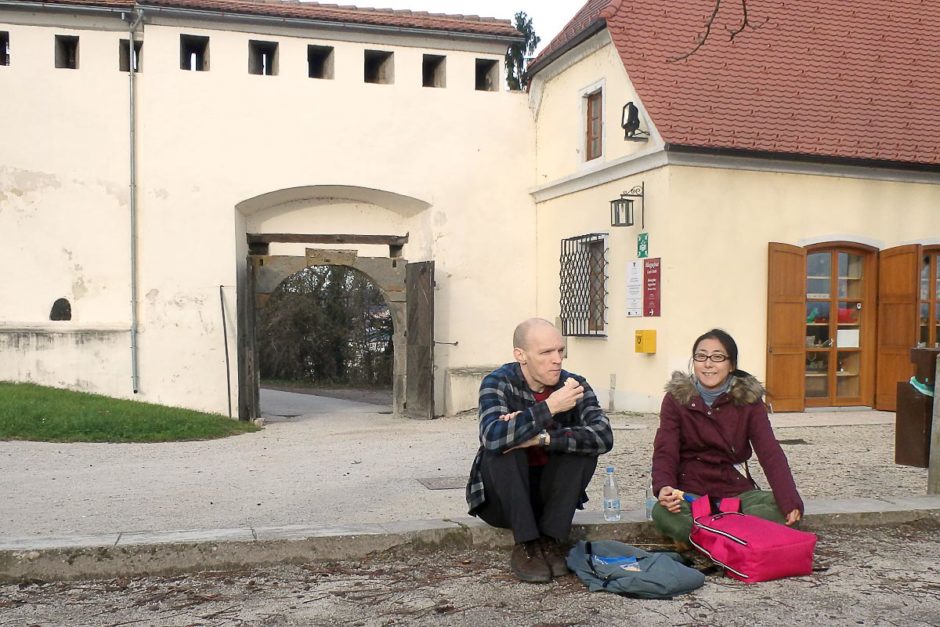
(175,552)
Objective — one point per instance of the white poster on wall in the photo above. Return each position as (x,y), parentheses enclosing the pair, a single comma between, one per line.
(635,288)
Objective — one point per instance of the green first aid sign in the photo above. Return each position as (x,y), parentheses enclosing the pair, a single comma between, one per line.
(643,245)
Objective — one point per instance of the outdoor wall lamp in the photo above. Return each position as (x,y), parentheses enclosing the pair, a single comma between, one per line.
(630,122)
(622,209)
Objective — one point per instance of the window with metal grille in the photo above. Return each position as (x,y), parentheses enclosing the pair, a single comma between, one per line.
(583,292)
(593,145)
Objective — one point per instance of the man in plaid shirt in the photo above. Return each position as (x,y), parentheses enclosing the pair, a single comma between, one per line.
(541,431)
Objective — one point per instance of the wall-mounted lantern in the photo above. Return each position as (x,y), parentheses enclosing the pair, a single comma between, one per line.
(622,209)
(630,122)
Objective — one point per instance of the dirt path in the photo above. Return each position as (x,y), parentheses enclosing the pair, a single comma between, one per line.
(868,576)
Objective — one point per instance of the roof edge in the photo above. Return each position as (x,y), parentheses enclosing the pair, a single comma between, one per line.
(326,24)
(595,27)
(806,158)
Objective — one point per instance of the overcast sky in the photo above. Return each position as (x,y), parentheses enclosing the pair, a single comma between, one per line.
(548,16)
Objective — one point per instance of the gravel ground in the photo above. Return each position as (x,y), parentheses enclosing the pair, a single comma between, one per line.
(358,466)
(827,461)
(866,576)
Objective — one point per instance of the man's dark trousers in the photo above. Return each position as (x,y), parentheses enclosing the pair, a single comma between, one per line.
(534,501)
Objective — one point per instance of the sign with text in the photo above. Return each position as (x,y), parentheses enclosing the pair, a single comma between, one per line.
(651,286)
(634,288)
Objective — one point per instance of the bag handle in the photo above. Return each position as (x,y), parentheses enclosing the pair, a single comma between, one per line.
(702,506)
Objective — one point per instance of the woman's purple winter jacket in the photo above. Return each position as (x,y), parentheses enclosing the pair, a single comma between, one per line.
(696,447)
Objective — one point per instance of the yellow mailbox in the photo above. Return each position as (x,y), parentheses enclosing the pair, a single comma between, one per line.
(646,341)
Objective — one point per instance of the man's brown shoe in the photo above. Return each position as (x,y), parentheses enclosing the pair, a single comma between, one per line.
(528,564)
(554,556)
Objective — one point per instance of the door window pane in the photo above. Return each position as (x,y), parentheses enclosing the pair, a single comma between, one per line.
(850,275)
(937,278)
(817,324)
(924,338)
(925,279)
(847,380)
(818,274)
(817,378)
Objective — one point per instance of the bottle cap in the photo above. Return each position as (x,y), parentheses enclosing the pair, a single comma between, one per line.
(610,469)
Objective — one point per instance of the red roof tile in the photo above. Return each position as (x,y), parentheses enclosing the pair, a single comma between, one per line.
(419,20)
(824,78)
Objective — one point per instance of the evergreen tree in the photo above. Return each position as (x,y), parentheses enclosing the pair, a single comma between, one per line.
(518,52)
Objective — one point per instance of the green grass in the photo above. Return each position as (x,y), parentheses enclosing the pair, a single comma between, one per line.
(34,412)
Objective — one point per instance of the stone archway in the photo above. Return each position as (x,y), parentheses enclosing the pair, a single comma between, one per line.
(388,274)
(406,287)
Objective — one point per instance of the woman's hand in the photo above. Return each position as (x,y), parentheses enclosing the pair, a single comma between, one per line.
(669,499)
(794,517)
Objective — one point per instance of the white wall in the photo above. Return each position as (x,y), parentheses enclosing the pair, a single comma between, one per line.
(208,142)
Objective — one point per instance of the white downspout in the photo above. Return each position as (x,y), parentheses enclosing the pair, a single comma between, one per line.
(132,62)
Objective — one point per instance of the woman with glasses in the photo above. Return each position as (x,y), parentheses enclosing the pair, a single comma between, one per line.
(710,423)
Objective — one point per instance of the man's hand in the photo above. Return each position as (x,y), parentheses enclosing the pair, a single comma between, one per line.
(793,517)
(670,498)
(565,397)
(508,417)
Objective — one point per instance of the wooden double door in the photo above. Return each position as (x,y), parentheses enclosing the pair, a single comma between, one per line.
(842,319)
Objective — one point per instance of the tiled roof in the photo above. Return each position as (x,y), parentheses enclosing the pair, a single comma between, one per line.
(581,22)
(419,20)
(824,78)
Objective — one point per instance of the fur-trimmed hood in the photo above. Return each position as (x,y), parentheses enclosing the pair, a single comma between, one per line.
(744,390)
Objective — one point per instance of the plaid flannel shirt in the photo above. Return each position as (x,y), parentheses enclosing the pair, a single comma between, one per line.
(582,430)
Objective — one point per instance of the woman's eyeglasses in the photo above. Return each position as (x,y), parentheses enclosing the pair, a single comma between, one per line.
(716,358)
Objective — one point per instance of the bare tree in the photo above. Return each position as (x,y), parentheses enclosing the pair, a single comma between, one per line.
(743,23)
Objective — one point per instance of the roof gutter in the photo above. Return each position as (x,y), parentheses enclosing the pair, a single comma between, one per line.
(822,160)
(325,24)
(595,27)
(71,8)
(263,19)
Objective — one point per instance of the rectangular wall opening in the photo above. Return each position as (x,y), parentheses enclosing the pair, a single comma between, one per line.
(487,75)
(194,53)
(320,62)
(433,71)
(4,48)
(262,57)
(125,58)
(379,67)
(66,52)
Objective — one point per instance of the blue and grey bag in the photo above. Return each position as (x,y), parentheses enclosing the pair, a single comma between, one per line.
(611,566)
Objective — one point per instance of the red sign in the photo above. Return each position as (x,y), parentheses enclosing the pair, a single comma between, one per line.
(651,283)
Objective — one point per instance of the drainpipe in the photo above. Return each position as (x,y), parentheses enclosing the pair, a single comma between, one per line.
(138,17)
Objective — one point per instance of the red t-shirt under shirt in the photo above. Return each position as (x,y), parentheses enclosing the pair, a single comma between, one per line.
(537,455)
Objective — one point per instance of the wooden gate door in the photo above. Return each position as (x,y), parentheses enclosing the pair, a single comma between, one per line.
(898,273)
(249,381)
(419,378)
(786,311)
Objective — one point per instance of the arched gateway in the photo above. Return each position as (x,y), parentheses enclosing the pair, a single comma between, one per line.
(406,287)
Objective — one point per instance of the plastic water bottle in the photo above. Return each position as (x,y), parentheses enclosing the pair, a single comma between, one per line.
(650,499)
(611,497)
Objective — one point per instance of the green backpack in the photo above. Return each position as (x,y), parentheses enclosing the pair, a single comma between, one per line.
(611,566)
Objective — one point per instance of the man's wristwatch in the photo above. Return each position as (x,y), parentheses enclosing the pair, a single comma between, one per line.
(544,438)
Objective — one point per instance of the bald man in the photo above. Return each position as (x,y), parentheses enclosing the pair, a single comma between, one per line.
(541,431)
